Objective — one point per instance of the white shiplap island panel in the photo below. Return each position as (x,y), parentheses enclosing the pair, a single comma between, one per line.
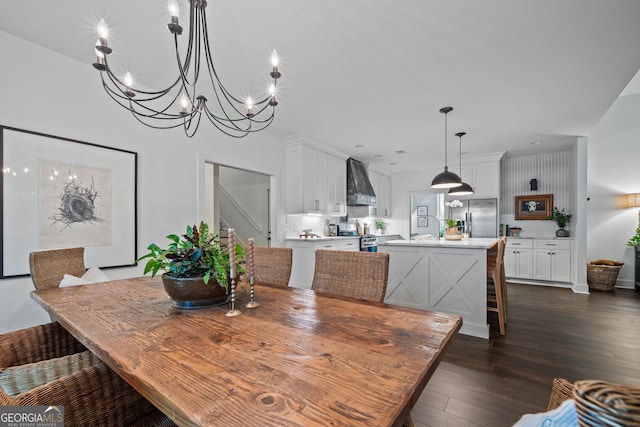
(441,275)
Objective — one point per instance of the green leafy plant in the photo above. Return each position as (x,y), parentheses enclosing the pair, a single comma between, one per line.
(380,224)
(635,240)
(560,217)
(198,253)
(451,222)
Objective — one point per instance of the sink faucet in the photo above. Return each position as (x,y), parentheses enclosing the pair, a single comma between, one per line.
(438,221)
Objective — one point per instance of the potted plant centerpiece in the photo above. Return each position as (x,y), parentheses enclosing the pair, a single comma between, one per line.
(196,267)
(451,230)
(562,219)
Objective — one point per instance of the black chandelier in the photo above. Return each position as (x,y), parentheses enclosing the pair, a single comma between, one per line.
(181,104)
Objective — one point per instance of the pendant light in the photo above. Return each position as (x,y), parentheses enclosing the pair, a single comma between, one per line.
(446,179)
(465,189)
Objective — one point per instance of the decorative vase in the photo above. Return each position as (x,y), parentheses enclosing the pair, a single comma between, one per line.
(192,292)
(451,231)
(561,232)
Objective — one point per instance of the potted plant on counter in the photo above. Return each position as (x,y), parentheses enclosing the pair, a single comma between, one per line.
(380,226)
(562,219)
(196,267)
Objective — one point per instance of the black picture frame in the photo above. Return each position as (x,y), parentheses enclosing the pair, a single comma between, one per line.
(58,192)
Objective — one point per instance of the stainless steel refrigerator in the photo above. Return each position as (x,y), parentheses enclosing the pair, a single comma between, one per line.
(478,217)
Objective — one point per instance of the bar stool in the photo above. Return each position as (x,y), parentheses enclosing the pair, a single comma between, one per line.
(496,285)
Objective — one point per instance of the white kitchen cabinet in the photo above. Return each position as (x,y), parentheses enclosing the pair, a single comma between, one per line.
(483,174)
(315,181)
(486,179)
(304,256)
(382,187)
(518,259)
(552,260)
(336,186)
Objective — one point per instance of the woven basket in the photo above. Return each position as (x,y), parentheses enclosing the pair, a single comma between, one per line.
(604,404)
(602,277)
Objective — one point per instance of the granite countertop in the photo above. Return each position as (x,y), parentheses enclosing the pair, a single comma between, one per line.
(462,244)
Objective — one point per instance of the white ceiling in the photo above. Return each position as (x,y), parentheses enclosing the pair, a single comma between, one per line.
(376,72)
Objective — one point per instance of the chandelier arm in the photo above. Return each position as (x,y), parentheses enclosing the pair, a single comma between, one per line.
(119,83)
(123,100)
(250,121)
(237,132)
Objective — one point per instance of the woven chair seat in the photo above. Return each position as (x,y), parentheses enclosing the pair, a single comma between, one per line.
(35,344)
(91,393)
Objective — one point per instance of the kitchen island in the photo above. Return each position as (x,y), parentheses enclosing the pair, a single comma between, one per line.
(449,276)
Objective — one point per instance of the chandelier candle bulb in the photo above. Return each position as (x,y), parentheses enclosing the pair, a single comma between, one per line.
(249,107)
(174,11)
(103,32)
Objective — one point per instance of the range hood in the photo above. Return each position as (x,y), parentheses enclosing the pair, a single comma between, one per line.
(359,189)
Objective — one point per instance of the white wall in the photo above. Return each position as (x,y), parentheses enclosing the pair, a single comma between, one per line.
(613,158)
(46,92)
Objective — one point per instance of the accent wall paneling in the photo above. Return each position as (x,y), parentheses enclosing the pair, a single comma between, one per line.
(552,170)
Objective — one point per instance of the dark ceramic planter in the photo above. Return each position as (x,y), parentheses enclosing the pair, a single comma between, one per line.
(561,232)
(192,292)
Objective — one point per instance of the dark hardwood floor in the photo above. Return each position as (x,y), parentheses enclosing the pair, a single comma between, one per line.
(551,332)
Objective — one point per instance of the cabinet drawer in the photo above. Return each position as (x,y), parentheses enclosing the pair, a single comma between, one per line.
(519,243)
(350,245)
(553,244)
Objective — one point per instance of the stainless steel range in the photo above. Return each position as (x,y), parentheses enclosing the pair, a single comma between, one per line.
(368,243)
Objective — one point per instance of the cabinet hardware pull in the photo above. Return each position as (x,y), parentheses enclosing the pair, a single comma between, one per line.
(317,205)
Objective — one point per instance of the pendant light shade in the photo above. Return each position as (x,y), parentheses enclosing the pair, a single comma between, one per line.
(446,179)
(465,189)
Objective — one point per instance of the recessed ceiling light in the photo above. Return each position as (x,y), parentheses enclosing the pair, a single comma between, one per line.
(536,142)
(400,152)
(359,146)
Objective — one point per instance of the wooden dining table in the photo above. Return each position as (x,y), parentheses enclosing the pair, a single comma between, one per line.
(300,359)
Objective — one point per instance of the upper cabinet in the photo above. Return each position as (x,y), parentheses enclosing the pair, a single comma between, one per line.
(382,187)
(316,181)
(483,174)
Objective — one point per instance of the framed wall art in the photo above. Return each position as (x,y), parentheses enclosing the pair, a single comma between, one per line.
(62,193)
(423,210)
(534,206)
(423,221)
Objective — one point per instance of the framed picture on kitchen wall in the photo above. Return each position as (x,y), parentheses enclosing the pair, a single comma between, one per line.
(63,193)
(423,210)
(534,206)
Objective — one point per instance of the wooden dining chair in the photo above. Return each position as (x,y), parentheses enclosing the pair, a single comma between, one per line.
(496,285)
(49,267)
(273,266)
(360,275)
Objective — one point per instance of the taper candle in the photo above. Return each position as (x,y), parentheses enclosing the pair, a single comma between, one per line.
(252,271)
(232,252)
